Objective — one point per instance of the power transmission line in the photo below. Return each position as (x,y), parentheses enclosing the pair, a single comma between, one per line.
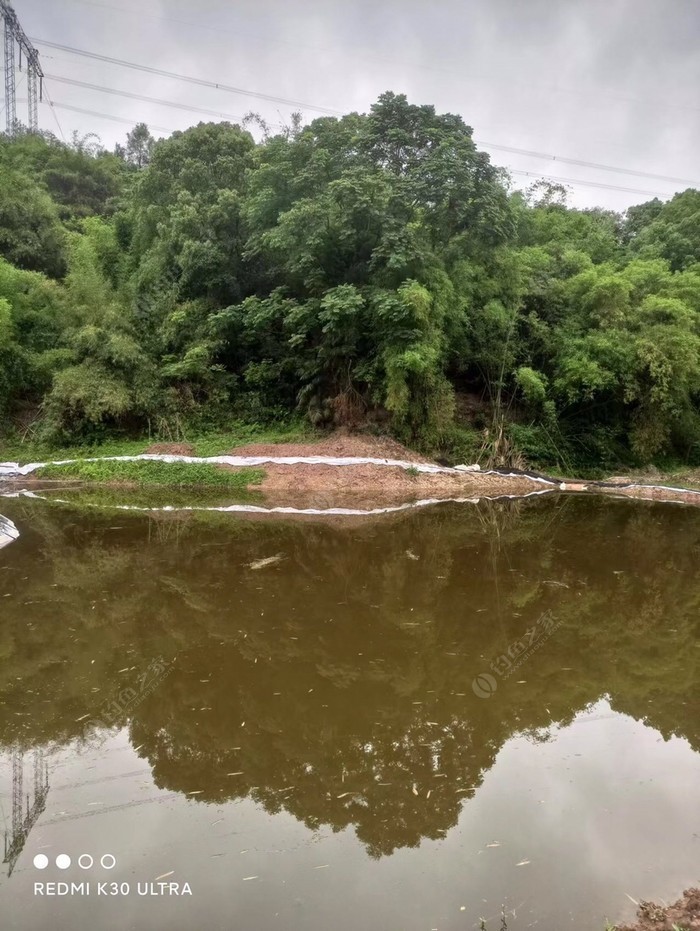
(55,115)
(361,55)
(201,82)
(608,187)
(596,165)
(491,145)
(218,86)
(156,100)
(168,103)
(108,116)
(166,129)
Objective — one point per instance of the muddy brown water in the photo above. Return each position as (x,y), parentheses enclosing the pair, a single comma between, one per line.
(407,723)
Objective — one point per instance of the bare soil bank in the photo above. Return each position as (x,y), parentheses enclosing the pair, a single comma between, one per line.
(383,485)
(309,485)
(648,493)
(374,486)
(337,444)
(685,914)
(368,485)
(360,486)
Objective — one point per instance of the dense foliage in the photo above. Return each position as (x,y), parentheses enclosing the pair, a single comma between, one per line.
(370,269)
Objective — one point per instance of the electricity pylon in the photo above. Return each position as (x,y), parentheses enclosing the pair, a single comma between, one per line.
(14,34)
(23,823)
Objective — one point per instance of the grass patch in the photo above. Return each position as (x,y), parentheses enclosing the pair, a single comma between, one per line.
(240,434)
(112,495)
(154,473)
(40,452)
(209,443)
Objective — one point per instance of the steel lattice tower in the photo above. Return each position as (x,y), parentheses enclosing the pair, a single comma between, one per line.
(22,823)
(17,794)
(15,33)
(10,102)
(32,76)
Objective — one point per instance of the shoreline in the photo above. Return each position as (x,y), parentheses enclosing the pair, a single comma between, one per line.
(682,915)
(338,472)
(316,481)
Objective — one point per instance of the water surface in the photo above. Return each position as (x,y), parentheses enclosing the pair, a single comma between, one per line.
(409,723)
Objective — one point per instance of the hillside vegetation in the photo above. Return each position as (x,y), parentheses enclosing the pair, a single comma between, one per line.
(375,270)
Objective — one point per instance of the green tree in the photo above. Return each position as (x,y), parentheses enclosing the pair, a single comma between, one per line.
(139,146)
(33,317)
(82,179)
(31,236)
(109,380)
(670,231)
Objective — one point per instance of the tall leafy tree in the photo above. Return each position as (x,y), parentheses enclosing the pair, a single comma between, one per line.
(31,235)
(670,231)
(139,146)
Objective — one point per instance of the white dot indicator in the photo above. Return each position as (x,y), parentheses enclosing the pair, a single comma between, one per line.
(41,861)
(63,861)
(108,861)
(85,861)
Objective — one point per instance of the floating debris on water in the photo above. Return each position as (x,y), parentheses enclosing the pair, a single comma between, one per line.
(268,561)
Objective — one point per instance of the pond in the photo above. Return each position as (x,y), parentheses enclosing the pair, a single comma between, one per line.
(415,721)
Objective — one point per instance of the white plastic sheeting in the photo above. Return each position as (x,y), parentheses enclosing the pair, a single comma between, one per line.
(8,531)
(259,509)
(14,470)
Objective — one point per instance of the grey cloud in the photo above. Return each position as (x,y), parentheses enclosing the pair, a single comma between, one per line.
(608,81)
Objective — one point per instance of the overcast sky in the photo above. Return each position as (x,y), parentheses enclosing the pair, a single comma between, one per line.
(608,81)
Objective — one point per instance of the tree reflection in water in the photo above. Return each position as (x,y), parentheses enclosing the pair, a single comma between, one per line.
(335,683)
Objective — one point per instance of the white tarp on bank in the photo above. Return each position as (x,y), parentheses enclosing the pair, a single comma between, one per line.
(259,509)
(14,470)
(8,531)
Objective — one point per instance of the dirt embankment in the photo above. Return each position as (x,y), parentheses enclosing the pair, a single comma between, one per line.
(364,485)
(367,485)
(337,444)
(649,493)
(371,485)
(389,484)
(683,914)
